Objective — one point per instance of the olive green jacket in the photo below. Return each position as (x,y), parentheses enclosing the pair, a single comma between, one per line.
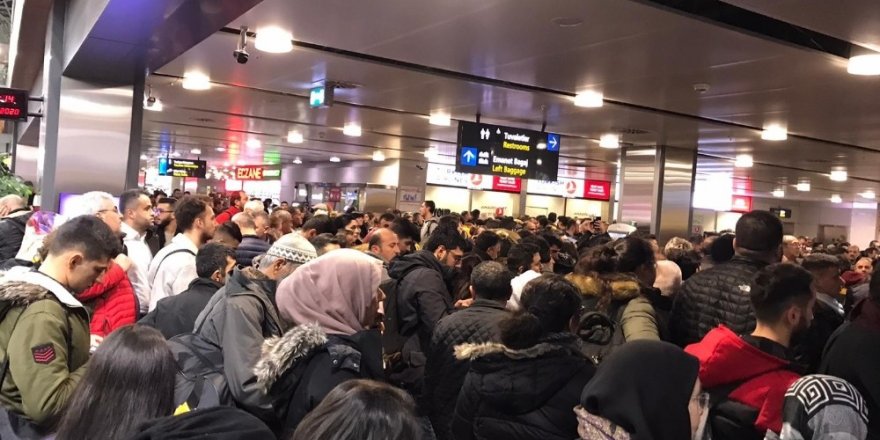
(44,334)
(639,319)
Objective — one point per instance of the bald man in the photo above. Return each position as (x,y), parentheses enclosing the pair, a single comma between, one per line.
(383,244)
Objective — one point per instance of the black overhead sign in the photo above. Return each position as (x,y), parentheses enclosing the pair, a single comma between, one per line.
(507,151)
(187,168)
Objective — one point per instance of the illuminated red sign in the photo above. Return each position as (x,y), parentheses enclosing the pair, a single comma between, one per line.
(741,204)
(13,104)
(506,184)
(597,190)
(258,172)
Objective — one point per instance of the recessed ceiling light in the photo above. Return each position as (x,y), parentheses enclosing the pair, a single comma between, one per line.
(154,106)
(836,199)
(838,176)
(864,65)
(196,81)
(744,161)
(297,161)
(431,152)
(273,40)
(295,137)
(803,186)
(609,141)
(196,151)
(378,156)
(589,98)
(868,194)
(442,119)
(335,159)
(351,129)
(779,193)
(175,154)
(253,143)
(774,132)
(220,149)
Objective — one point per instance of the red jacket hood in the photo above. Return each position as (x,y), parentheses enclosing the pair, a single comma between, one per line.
(726,358)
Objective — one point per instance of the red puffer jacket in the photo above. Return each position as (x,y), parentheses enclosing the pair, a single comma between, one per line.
(112,301)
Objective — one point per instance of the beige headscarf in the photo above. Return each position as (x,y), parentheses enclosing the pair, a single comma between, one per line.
(333,291)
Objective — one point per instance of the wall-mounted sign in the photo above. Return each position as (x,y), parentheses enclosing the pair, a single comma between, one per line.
(507,151)
(597,190)
(334,194)
(183,168)
(13,104)
(258,172)
(782,213)
(321,96)
(506,184)
(741,204)
(441,174)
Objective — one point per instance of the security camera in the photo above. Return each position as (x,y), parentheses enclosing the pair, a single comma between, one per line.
(151,100)
(240,53)
(241,56)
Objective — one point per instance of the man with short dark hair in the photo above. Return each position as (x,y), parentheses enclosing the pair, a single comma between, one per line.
(296,217)
(174,267)
(524,261)
(828,313)
(430,223)
(383,245)
(407,235)
(750,374)
(423,297)
(720,295)
(444,374)
(165,226)
(137,218)
(177,314)
(385,220)
(236,205)
(44,331)
(318,224)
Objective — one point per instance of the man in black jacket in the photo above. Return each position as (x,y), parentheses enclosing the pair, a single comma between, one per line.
(12,226)
(177,314)
(251,245)
(422,298)
(827,313)
(720,295)
(444,375)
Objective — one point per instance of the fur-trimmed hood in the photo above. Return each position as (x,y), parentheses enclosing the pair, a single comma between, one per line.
(473,351)
(22,286)
(623,287)
(281,353)
(21,293)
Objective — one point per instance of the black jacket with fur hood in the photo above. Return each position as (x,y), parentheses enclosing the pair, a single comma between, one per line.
(521,394)
(298,369)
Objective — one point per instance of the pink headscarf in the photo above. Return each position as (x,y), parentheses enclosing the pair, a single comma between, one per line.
(333,291)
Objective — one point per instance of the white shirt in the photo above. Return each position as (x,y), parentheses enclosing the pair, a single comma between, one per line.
(517,285)
(140,255)
(176,271)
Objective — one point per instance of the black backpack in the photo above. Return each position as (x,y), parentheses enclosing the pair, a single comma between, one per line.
(200,381)
(601,332)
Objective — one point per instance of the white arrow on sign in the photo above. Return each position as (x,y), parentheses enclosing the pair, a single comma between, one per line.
(552,143)
(469,155)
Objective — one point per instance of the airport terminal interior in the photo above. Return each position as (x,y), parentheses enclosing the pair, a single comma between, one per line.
(450,219)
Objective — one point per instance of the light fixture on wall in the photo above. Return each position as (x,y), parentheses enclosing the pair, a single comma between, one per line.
(774,132)
(589,99)
(838,175)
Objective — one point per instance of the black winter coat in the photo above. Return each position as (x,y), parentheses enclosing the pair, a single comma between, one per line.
(177,314)
(301,367)
(827,317)
(251,246)
(12,232)
(444,374)
(717,296)
(521,394)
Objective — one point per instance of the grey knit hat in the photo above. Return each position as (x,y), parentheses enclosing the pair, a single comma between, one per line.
(293,247)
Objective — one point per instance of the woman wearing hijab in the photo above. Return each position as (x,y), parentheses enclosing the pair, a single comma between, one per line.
(820,407)
(647,390)
(335,304)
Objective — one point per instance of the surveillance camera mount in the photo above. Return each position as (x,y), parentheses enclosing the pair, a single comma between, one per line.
(242,39)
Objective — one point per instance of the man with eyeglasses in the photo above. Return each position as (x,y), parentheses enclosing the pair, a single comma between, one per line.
(165,224)
(421,299)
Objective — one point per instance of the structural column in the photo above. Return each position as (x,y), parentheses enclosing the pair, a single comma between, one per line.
(657,188)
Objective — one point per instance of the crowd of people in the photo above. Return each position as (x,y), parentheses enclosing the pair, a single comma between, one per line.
(189,316)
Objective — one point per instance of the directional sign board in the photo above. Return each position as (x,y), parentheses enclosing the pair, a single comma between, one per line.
(506,151)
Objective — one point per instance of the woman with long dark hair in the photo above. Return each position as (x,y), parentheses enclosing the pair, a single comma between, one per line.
(130,379)
(525,387)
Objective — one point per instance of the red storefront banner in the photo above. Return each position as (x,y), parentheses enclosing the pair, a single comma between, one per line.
(506,184)
(741,204)
(597,190)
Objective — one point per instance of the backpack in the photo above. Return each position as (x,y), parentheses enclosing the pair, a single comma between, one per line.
(601,332)
(200,381)
(728,419)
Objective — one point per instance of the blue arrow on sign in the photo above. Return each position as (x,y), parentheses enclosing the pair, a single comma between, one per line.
(552,142)
(469,156)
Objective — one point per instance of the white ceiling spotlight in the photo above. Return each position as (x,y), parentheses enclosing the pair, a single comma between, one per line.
(441,119)
(836,199)
(869,194)
(803,186)
(195,80)
(196,151)
(779,193)
(868,64)
(744,161)
(838,175)
(609,141)
(254,144)
(273,39)
(335,159)
(431,153)
(220,149)
(351,129)
(378,156)
(295,137)
(297,161)
(774,132)
(589,99)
